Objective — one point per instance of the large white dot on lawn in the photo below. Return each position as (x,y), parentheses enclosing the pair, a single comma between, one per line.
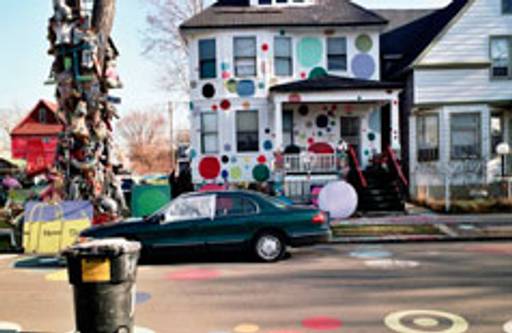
(507,328)
(339,199)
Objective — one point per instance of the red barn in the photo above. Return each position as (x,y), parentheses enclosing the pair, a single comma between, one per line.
(35,138)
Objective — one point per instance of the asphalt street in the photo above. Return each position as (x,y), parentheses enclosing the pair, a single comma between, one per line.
(411,288)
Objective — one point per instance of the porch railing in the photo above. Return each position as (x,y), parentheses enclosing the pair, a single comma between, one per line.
(310,163)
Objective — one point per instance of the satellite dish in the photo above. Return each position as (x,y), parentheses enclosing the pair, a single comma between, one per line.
(339,199)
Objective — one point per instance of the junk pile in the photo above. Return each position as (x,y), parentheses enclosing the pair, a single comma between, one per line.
(84,70)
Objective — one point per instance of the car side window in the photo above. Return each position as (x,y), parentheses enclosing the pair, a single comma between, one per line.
(234,206)
(190,208)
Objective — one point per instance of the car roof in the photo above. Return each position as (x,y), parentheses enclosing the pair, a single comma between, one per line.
(231,192)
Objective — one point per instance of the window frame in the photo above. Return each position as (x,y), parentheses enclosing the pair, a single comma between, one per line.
(288,58)
(292,134)
(420,135)
(242,197)
(166,209)
(237,132)
(503,7)
(42,116)
(509,68)
(202,61)
(237,58)
(501,116)
(330,55)
(479,136)
(209,133)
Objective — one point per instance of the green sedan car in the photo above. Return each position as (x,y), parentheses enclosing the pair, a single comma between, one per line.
(240,220)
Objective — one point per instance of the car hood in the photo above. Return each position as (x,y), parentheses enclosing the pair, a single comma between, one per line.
(113,228)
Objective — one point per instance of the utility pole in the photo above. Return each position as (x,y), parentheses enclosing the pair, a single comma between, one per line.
(171,130)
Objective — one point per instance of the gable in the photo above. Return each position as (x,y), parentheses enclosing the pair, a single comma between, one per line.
(41,120)
(467,39)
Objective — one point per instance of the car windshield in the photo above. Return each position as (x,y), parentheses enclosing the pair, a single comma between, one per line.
(188,208)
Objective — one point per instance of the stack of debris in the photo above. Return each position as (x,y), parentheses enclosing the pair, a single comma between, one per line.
(84,70)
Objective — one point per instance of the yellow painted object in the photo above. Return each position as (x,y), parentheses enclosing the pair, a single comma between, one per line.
(95,270)
(51,237)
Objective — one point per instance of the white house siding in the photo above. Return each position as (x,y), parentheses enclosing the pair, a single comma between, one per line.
(223,84)
(467,40)
(458,86)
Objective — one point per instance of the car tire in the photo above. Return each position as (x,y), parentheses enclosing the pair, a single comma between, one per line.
(268,247)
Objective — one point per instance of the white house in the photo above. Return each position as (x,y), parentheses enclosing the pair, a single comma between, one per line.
(457,67)
(292,76)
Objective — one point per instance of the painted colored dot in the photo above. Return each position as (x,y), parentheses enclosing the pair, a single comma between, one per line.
(264,47)
(267,145)
(234,159)
(261,85)
(334,107)
(227,147)
(282,32)
(322,121)
(193,154)
(328,129)
(303,75)
(142,297)
(246,328)
(224,66)
(364,43)
(310,51)
(309,124)
(225,159)
(267,130)
(294,98)
(231,86)
(261,173)
(193,274)
(245,88)
(426,322)
(317,72)
(371,136)
(366,152)
(209,167)
(311,141)
(322,323)
(226,75)
(215,107)
(303,110)
(236,173)
(225,104)
(208,90)
(262,159)
(191,106)
(246,105)
(193,84)
(320,133)
(363,66)
(333,123)
(225,174)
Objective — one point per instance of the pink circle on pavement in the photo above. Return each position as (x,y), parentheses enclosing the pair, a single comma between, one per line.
(322,323)
(193,274)
(284,331)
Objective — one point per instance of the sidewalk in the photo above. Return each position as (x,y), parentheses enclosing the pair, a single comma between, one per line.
(424,226)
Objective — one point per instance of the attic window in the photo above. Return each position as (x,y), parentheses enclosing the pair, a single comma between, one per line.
(41,116)
(506,6)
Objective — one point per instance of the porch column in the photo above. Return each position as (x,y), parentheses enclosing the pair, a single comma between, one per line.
(278,125)
(395,126)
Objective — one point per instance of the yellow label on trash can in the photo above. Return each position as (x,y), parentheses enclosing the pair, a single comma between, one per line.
(95,270)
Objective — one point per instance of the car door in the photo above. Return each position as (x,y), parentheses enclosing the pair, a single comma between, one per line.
(181,223)
(230,227)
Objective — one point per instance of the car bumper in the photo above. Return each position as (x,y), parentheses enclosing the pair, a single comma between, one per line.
(311,239)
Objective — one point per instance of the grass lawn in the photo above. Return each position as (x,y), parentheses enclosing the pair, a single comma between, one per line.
(383,230)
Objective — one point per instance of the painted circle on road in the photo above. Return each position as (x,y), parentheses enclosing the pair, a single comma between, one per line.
(368,253)
(426,321)
(507,328)
(246,328)
(194,274)
(391,264)
(322,323)
(9,327)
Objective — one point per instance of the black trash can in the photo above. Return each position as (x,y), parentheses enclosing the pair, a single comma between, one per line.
(103,274)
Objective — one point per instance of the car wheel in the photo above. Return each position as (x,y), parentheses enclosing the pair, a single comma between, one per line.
(269,247)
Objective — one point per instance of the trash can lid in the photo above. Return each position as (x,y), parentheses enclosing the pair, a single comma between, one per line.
(107,246)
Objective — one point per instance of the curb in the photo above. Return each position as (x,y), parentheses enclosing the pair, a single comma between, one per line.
(417,239)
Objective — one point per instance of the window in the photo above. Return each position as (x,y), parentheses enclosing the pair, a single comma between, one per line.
(283,65)
(350,131)
(506,6)
(428,137)
(233,206)
(41,115)
(209,133)
(247,131)
(288,128)
(265,2)
(337,54)
(207,59)
(245,56)
(188,208)
(500,57)
(497,131)
(465,136)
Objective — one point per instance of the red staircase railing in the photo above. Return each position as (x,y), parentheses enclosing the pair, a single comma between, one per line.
(395,164)
(353,155)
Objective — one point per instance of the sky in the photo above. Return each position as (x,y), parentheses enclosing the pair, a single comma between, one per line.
(25,64)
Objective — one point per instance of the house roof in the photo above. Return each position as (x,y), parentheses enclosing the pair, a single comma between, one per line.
(400,17)
(25,127)
(331,82)
(406,43)
(227,14)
